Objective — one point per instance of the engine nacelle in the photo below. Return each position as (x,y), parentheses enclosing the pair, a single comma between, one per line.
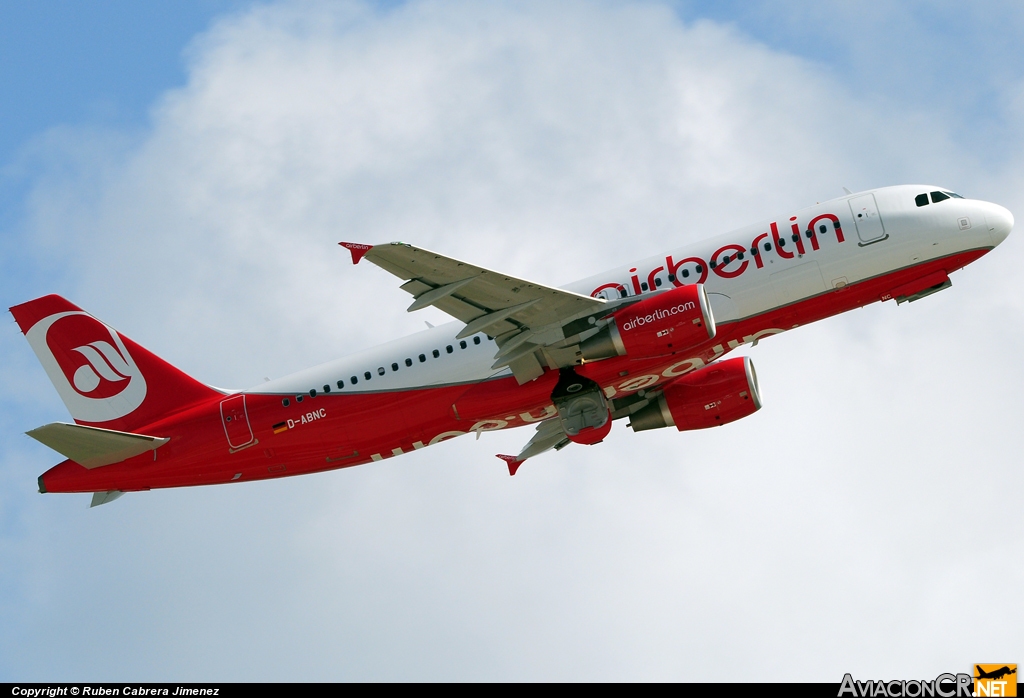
(668,322)
(717,394)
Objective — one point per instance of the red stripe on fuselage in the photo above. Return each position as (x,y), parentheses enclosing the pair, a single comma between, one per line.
(354,429)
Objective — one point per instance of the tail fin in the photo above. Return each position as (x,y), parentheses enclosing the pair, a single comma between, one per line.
(105,379)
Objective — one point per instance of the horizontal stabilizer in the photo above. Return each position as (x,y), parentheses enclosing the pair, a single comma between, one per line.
(104,497)
(92,447)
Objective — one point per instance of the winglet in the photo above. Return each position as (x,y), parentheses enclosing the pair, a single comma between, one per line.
(513,463)
(356,249)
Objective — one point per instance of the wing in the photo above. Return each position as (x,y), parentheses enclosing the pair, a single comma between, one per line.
(533,324)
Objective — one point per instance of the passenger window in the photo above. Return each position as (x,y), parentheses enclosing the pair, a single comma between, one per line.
(449,349)
(767,247)
(713,264)
(380,371)
(686,273)
(394,367)
(810,233)
(672,277)
(657,282)
(921,199)
(782,242)
(327,388)
(298,398)
(408,362)
(463,344)
(285,402)
(476,340)
(341,384)
(423,358)
(367,375)
(698,269)
(739,256)
(436,353)
(938,196)
(822,229)
(796,238)
(643,286)
(312,392)
(353,380)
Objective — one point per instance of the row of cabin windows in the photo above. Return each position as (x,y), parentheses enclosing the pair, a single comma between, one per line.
(937,196)
(436,353)
(697,269)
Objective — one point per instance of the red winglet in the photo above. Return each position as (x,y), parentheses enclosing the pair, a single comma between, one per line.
(356,249)
(513,463)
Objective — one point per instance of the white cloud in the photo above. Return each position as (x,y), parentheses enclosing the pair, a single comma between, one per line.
(846,527)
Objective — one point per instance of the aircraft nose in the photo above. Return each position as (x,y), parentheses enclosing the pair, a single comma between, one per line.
(1000,222)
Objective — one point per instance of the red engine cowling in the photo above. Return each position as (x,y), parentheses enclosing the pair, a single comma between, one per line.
(717,394)
(665,323)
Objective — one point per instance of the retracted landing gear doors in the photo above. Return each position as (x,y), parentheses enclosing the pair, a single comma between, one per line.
(582,408)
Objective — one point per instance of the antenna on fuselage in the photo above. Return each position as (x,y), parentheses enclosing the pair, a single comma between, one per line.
(847,191)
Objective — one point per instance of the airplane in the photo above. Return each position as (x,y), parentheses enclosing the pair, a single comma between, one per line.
(643,341)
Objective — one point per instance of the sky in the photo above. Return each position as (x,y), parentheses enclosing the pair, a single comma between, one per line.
(184,172)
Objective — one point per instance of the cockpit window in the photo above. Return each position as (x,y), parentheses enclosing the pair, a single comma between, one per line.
(952,194)
(921,199)
(938,196)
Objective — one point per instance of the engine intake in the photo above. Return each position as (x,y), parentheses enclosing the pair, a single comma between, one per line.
(668,322)
(717,394)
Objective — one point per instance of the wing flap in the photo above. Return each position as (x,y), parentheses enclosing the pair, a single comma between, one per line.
(92,447)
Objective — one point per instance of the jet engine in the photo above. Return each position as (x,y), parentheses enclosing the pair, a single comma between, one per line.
(717,394)
(662,324)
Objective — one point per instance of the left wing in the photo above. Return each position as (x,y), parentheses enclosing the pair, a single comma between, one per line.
(530,322)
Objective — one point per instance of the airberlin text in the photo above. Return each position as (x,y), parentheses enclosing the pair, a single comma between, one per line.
(732,260)
(943,686)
